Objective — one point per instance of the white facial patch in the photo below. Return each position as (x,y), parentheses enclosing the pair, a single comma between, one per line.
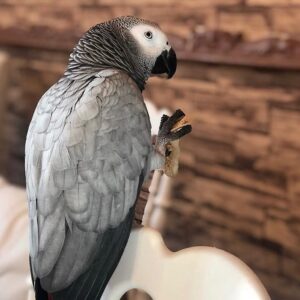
(151,39)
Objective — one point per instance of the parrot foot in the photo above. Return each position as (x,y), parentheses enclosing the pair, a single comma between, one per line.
(171,129)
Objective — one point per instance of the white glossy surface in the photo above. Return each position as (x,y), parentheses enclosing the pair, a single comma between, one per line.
(202,273)
(14,267)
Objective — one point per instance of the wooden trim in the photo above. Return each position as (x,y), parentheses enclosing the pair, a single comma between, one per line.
(238,54)
(272,62)
(38,38)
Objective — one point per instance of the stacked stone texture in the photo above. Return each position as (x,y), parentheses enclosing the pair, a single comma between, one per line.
(239,182)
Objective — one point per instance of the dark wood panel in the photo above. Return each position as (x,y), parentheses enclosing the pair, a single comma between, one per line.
(226,49)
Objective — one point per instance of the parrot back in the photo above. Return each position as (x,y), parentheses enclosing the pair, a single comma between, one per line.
(87,154)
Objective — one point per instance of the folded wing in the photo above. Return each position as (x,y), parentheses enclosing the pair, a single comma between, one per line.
(86,155)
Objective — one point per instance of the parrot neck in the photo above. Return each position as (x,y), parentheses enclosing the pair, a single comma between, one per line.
(101,49)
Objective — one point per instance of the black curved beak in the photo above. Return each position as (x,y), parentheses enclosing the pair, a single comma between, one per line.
(165,63)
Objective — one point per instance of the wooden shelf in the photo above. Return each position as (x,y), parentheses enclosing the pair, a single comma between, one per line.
(238,55)
(271,61)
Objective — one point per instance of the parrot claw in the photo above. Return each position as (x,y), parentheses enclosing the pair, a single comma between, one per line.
(171,129)
(174,127)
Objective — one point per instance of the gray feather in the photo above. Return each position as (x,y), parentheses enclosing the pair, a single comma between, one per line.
(87,145)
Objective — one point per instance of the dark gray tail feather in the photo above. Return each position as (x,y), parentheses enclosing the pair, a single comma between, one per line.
(91,284)
(40,293)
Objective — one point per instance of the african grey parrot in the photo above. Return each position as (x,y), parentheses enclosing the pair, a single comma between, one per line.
(88,150)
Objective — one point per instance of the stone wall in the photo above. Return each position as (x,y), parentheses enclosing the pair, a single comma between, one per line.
(238,81)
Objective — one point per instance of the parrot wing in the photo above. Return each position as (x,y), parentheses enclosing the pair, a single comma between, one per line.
(87,153)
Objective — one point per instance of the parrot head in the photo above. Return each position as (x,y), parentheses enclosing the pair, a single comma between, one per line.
(133,45)
(155,49)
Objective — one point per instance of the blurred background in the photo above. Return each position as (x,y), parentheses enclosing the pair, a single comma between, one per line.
(238,81)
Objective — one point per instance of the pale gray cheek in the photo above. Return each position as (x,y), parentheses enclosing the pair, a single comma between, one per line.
(148,63)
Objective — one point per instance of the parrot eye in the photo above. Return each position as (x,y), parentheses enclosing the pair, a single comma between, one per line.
(148,35)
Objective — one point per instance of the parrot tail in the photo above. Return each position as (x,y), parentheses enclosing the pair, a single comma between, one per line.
(40,293)
(91,284)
